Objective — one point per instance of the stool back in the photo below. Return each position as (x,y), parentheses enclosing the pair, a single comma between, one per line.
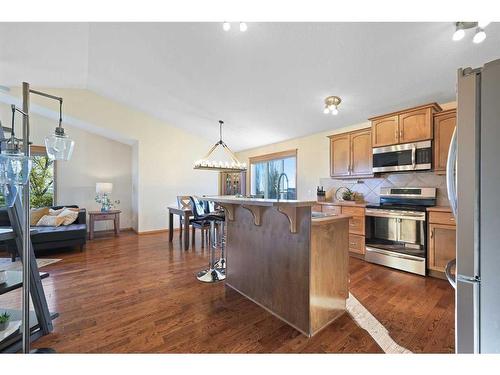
(198,208)
(209,207)
(184,201)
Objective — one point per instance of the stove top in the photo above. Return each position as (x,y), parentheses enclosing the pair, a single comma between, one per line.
(400,207)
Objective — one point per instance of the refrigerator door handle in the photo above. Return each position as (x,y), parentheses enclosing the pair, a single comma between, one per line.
(449,276)
(451,173)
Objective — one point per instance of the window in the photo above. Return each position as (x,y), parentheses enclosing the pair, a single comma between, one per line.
(42,178)
(265,171)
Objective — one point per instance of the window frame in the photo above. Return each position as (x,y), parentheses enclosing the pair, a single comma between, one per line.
(36,150)
(270,157)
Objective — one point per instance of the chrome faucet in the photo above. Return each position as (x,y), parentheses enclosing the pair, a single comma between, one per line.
(278,192)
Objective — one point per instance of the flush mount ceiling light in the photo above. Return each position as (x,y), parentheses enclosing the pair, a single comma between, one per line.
(233,165)
(460,28)
(331,105)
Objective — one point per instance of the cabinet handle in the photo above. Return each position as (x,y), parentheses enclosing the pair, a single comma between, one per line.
(352,243)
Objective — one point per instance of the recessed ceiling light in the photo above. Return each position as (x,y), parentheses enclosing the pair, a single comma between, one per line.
(226,26)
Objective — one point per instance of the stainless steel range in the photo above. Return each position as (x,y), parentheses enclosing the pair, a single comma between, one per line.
(396,228)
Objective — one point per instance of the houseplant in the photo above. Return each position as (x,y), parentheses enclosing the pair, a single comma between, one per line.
(4,321)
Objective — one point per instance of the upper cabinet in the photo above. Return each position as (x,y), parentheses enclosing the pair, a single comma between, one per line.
(410,125)
(444,125)
(385,131)
(351,154)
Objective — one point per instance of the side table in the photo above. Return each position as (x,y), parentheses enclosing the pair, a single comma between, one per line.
(101,216)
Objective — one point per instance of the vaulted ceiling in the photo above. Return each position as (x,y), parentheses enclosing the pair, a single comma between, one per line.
(267,84)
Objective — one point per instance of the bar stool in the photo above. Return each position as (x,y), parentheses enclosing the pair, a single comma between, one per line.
(212,274)
(220,264)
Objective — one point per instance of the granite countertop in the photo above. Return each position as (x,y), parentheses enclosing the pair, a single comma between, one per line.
(343,203)
(439,208)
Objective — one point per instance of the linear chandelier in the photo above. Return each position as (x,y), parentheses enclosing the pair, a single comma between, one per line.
(224,166)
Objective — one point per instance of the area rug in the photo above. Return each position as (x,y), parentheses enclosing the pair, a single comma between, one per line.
(376,330)
(7,265)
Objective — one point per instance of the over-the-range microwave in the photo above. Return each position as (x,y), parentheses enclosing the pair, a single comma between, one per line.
(404,157)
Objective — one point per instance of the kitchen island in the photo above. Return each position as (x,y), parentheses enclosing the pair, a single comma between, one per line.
(290,263)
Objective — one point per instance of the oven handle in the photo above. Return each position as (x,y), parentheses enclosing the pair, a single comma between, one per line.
(392,254)
(394,215)
(413,155)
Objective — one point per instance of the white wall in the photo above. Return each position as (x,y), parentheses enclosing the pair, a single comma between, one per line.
(313,156)
(162,155)
(95,159)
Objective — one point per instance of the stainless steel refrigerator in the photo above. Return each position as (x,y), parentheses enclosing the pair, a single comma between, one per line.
(473,178)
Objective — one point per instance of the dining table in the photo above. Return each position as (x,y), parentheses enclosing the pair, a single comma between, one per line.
(184,213)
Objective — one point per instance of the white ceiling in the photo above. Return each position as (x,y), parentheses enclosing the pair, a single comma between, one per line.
(267,84)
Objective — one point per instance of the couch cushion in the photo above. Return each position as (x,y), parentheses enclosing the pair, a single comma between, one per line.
(62,233)
(50,221)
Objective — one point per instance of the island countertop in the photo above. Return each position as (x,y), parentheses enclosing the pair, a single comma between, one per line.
(232,199)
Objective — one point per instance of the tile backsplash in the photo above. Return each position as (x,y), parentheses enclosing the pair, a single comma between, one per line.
(370,187)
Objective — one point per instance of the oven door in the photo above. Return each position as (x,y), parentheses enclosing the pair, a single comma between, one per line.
(405,157)
(396,238)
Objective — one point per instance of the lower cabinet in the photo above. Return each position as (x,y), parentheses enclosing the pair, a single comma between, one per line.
(442,241)
(356,224)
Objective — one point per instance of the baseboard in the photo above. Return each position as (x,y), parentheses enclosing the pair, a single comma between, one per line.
(153,231)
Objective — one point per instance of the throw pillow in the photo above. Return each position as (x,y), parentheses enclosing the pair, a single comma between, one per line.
(37,213)
(50,221)
(57,212)
(69,216)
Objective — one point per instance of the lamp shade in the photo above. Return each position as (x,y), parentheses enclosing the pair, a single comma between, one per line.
(15,168)
(59,146)
(103,187)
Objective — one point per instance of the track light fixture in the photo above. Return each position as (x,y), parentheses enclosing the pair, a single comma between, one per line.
(479,36)
(226,26)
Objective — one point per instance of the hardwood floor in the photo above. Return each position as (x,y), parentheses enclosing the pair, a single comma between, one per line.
(134,294)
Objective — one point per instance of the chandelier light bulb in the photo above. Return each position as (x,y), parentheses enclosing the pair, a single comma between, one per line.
(458,34)
(326,111)
(483,24)
(243,27)
(334,111)
(480,36)
(226,26)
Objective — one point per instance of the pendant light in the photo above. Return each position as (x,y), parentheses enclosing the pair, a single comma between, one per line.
(15,167)
(59,146)
(233,166)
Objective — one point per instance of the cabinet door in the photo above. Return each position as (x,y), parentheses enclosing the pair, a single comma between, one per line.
(444,124)
(361,153)
(415,126)
(442,246)
(356,244)
(385,131)
(339,155)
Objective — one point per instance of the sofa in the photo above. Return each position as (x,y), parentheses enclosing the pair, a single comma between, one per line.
(64,236)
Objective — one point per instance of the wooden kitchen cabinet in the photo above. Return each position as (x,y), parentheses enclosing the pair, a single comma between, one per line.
(361,153)
(441,247)
(415,126)
(444,125)
(340,155)
(385,131)
(351,154)
(406,126)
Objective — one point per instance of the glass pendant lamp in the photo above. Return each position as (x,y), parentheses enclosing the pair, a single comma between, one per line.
(59,146)
(15,167)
